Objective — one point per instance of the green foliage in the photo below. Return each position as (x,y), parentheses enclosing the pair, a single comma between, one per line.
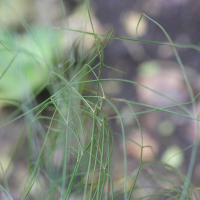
(26,67)
(70,144)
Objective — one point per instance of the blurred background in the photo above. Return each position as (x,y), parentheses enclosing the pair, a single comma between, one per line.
(154,66)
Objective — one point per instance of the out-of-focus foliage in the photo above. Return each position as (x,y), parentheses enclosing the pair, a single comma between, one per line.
(26,66)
